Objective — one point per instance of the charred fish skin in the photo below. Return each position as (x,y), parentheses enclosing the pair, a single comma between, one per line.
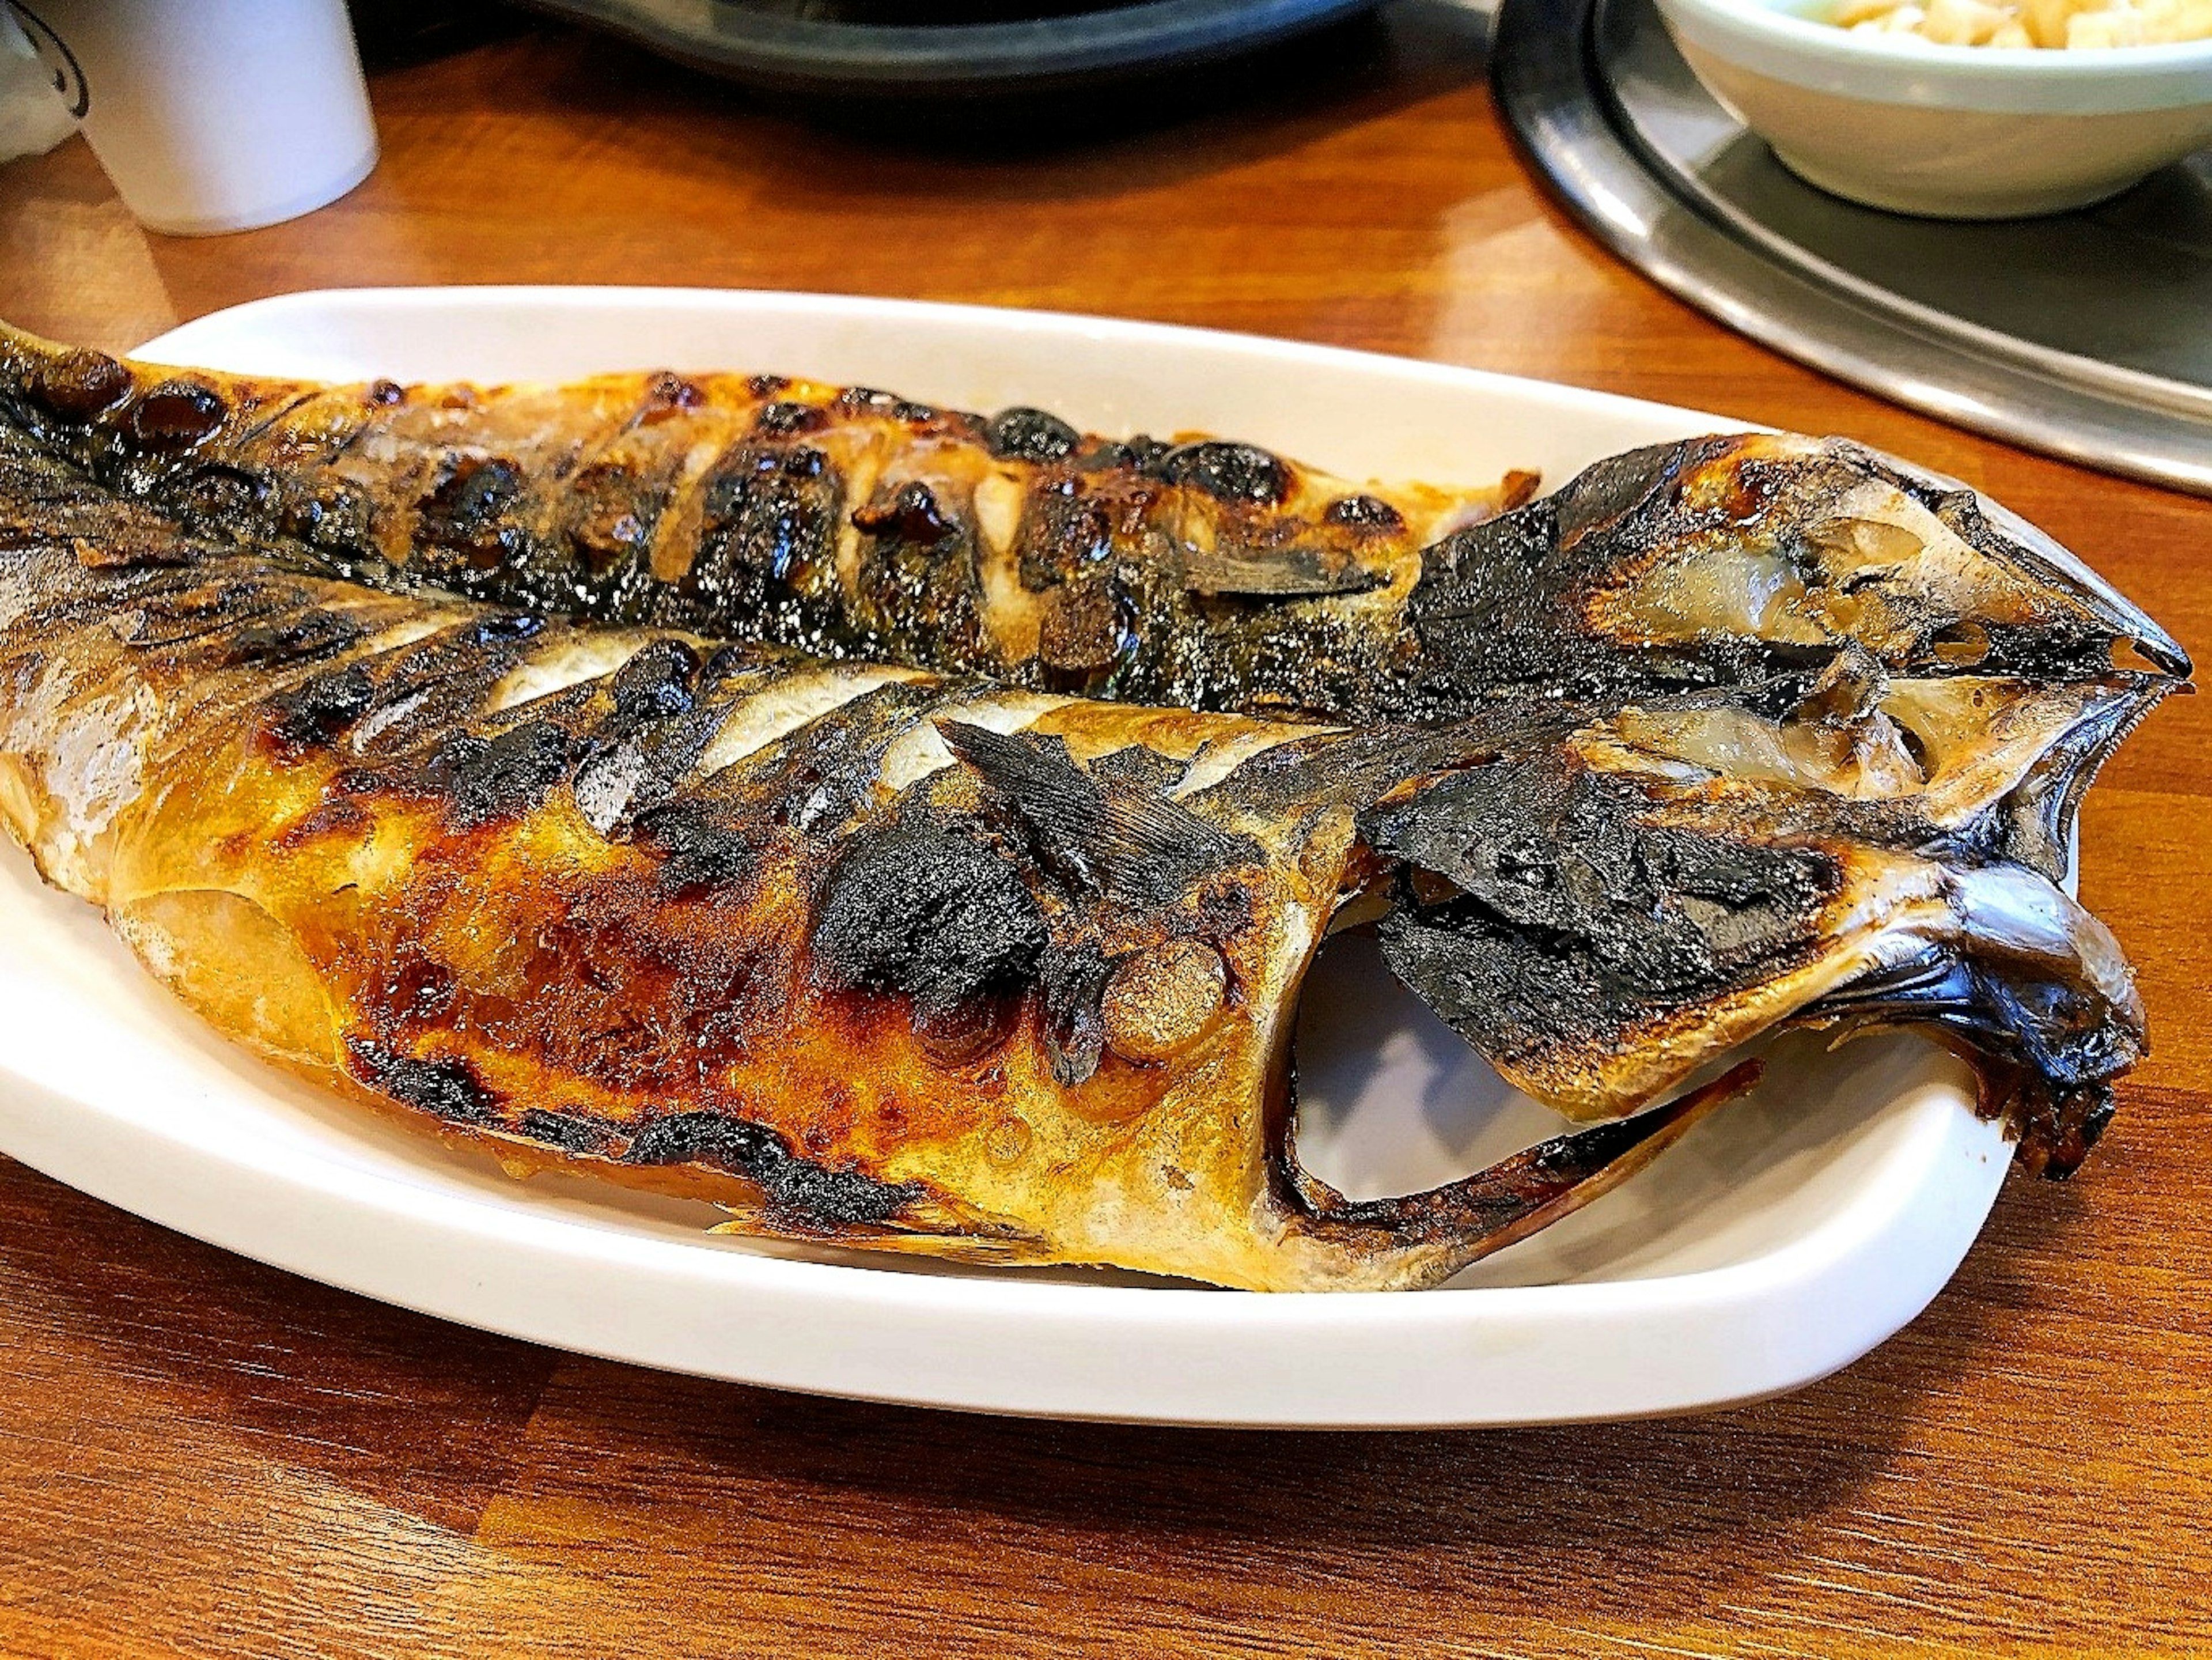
(839,521)
(1208,573)
(1830,834)
(864,955)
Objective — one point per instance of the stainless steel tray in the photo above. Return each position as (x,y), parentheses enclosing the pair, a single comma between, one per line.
(2087,335)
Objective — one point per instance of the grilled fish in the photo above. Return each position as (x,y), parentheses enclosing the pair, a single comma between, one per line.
(1200,573)
(938,960)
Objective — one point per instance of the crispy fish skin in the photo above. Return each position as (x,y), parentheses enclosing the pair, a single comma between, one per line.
(623,895)
(840,520)
(820,942)
(1206,573)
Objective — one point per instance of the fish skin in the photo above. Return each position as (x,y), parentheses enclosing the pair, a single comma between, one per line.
(626,895)
(830,1010)
(853,523)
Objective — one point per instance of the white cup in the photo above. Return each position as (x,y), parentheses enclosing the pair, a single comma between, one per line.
(212,115)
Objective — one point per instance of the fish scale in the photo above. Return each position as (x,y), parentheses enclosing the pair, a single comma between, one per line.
(864,896)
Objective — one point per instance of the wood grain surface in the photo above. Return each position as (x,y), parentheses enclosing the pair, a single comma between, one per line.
(199,1455)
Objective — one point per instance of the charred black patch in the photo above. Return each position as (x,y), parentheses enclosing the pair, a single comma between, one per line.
(79,384)
(384,394)
(927,912)
(483,778)
(1226,471)
(1026,434)
(417,693)
(912,515)
(1565,917)
(797,1190)
(216,493)
(466,508)
(668,394)
(766,386)
(334,517)
(319,711)
(612,509)
(1074,980)
(176,415)
(1093,837)
(782,419)
(1364,513)
(1085,631)
(301,639)
(1609,491)
(700,853)
(868,401)
(562,1130)
(659,680)
(769,520)
(1064,538)
(1139,453)
(444,1089)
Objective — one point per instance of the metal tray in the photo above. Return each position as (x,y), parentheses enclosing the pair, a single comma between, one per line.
(2087,335)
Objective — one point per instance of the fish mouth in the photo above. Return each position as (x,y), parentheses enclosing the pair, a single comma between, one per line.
(1739,557)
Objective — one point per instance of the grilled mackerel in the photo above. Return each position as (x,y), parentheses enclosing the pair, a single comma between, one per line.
(699,780)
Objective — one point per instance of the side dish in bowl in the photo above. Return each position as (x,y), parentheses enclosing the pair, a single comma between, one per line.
(2073,25)
(1940,110)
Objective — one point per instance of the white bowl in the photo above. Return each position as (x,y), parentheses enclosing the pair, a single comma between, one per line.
(1952,133)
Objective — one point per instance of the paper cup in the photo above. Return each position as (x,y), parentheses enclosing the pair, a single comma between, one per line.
(211,115)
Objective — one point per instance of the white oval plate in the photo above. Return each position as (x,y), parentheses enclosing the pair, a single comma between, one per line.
(1783,1238)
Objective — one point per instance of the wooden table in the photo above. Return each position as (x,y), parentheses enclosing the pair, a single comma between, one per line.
(201,1456)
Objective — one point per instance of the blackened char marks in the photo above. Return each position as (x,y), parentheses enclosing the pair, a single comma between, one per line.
(214,495)
(1485,608)
(304,638)
(77,385)
(866,401)
(661,679)
(320,711)
(461,521)
(1568,919)
(1028,435)
(700,853)
(1074,980)
(1228,472)
(446,1089)
(769,517)
(785,419)
(482,779)
(1115,837)
(1608,493)
(405,695)
(176,415)
(927,912)
(797,1190)
(1364,513)
(609,511)
(1066,535)
(912,515)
